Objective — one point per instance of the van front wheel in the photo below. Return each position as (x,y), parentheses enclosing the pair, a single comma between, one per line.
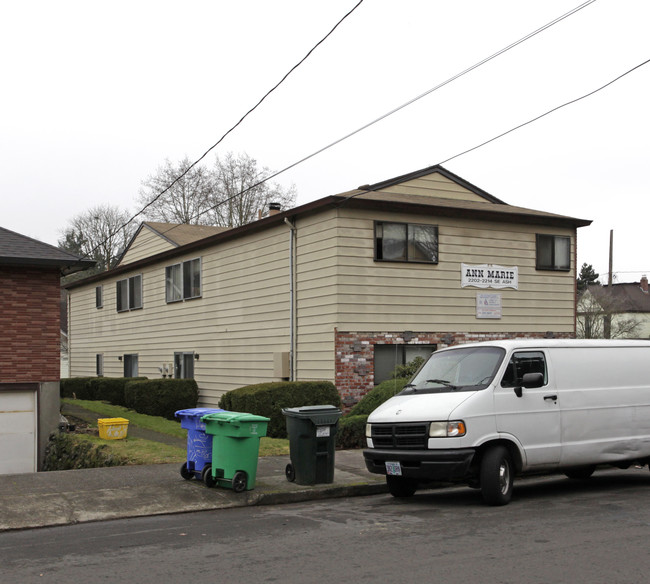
(400,486)
(497,476)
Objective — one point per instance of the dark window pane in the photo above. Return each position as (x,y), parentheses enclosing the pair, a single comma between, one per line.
(394,241)
(423,243)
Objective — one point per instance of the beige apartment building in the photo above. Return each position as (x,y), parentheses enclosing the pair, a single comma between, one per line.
(342,289)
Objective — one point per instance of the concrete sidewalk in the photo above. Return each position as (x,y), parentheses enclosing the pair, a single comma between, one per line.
(75,496)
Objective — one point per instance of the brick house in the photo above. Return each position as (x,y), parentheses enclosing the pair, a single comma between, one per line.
(30,273)
(343,288)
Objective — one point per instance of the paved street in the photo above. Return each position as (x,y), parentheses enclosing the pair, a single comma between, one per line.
(554,531)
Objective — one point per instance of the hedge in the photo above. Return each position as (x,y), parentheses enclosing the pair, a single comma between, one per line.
(269,399)
(161,397)
(110,389)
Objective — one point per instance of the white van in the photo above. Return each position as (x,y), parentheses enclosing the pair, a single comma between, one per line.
(482,413)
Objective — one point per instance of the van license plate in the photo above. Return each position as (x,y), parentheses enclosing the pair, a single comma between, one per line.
(393,468)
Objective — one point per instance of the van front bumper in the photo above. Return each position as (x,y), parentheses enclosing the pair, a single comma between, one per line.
(425,465)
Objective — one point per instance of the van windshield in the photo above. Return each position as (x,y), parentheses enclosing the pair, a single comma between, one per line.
(465,369)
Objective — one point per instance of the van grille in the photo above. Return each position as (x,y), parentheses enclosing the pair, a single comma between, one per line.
(400,436)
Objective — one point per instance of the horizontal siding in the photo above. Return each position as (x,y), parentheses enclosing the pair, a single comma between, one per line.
(389,296)
(146,244)
(434,185)
(237,325)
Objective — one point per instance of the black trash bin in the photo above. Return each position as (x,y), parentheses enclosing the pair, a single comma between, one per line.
(312,443)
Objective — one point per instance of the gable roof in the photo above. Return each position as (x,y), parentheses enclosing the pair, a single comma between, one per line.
(20,250)
(175,234)
(625,297)
(380,196)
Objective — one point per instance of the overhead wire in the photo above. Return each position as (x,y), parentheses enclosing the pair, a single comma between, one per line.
(250,111)
(353,133)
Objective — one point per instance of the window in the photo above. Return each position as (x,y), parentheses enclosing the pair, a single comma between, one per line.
(387,357)
(129,293)
(184,365)
(553,252)
(99,365)
(406,242)
(99,300)
(131,365)
(522,363)
(183,281)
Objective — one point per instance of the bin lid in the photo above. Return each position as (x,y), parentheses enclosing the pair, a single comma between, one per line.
(111,421)
(233,417)
(317,414)
(197,412)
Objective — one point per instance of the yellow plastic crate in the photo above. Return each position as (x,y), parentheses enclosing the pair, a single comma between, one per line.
(112,428)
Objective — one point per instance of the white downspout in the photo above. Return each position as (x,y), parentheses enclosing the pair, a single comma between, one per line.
(292,299)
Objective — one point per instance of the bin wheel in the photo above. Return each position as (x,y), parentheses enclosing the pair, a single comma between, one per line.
(186,473)
(239,482)
(207,477)
(290,473)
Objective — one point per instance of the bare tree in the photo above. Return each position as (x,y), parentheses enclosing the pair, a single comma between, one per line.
(596,306)
(238,196)
(186,194)
(99,234)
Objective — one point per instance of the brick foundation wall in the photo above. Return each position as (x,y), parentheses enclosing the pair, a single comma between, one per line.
(354,354)
(30,332)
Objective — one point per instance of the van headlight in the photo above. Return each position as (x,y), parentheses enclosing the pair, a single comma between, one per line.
(368,431)
(451,429)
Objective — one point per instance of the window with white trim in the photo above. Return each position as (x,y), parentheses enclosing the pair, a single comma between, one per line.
(183,281)
(129,293)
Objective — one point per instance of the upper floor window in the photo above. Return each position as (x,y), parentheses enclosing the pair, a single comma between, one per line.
(406,242)
(129,293)
(553,252)
(183,281)
(99,297)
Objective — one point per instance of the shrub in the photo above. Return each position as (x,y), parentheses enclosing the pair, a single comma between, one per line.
(161,397)
(78,387)
(351,432)
(408,370)
(110,389)
(377,396)
(67,451)
(269,399)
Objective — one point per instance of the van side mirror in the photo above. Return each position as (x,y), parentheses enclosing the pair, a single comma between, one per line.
(529,381)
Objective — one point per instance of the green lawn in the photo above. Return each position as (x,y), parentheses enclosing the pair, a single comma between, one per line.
(139,451)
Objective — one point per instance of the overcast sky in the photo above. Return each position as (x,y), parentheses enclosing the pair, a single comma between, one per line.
(95,96)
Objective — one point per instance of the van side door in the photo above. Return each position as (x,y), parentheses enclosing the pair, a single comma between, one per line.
(530,414)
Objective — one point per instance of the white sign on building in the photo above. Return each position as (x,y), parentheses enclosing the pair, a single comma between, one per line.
(489,276)
(488,305)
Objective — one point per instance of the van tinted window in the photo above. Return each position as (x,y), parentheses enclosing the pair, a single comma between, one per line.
(521,363)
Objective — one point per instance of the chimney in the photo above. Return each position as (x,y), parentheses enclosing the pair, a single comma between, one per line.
(644,283)
(274,208)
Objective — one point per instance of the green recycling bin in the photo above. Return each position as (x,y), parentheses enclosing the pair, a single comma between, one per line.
(235,449)
(312,443)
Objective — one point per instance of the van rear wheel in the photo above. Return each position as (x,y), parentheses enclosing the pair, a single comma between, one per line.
(497,476)
(580,473)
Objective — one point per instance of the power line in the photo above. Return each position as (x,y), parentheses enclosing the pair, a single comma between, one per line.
(365,126)
(251,110)
(404,105)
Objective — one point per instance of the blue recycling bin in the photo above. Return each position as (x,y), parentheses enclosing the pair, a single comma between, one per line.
(199,444)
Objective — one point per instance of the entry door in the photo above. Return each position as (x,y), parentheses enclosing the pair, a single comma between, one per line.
(533,418)
(18,450)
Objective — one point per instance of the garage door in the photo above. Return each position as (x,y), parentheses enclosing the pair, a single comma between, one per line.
(18,449)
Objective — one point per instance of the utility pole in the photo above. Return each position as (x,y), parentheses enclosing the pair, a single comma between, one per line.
(607,320)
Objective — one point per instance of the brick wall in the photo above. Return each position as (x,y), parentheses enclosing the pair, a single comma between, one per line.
(30,332)
(355,354)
